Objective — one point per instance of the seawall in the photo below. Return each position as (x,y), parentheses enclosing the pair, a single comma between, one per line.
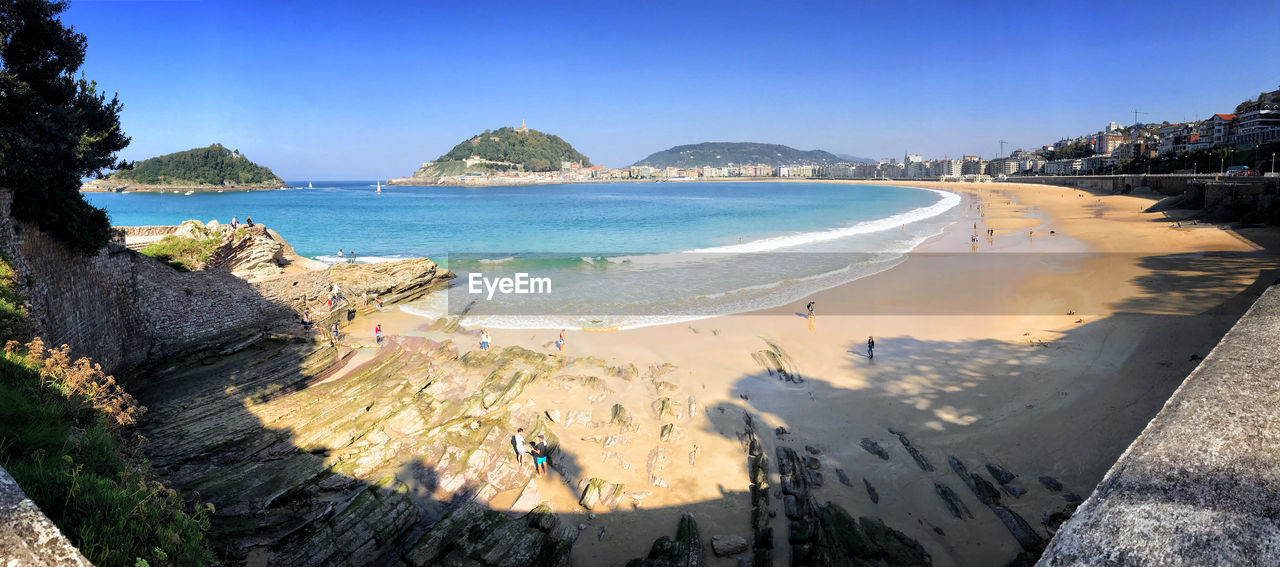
(1201,484)
(1202,191)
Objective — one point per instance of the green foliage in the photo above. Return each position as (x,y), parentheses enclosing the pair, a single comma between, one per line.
(721,154)
(70,461)
(200,166)
(13,311)
(532,150)
(1074,150)
(57,128)
(182,253)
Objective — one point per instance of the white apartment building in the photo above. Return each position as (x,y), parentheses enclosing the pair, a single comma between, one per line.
(1259,122)
(1063,166)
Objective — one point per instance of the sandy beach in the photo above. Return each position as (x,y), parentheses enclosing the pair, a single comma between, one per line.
(1043,348)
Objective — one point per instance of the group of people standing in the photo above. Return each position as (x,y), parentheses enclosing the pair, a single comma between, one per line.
(538,450)
(348,257)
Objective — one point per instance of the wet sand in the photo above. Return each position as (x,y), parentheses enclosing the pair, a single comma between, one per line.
(976,357)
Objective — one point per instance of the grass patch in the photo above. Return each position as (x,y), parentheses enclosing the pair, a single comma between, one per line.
(13,310)
(184,254)
(67,454)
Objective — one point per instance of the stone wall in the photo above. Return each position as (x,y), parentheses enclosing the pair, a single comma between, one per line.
(27,537)
(124,309)
(1201,484)
(154,230)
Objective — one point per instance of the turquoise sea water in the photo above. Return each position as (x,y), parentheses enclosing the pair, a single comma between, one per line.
(618,254)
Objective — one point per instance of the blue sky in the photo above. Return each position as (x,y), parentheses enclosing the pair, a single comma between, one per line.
(347,90)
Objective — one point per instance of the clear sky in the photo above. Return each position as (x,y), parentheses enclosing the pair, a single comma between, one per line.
(366,90)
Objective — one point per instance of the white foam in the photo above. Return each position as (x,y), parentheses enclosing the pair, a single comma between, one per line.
(359,259)
(947,202)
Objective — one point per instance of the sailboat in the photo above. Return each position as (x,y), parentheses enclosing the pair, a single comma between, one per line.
(309,185)
(379,190)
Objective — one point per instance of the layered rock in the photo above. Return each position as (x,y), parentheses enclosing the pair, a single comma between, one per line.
(249,254)
(308,462)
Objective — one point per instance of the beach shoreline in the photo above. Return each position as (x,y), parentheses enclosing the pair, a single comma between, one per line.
(1011,379)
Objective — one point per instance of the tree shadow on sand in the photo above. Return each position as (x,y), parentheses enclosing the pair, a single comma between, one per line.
(308,461)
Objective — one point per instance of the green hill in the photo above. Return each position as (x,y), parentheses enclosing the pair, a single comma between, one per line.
(720,154)
(505,149)
(214,165)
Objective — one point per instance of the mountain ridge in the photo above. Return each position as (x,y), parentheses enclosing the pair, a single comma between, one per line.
(721,154)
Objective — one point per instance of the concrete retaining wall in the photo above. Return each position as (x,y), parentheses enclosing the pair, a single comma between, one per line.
(1201,485)
(1204,190)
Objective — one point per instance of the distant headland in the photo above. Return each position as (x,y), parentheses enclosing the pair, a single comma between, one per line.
(199,169)
(724,154)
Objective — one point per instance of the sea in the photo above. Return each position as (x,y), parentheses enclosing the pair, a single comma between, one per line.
(592,255)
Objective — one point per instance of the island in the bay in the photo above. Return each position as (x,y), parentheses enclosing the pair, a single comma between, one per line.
(214,168)
(513,153)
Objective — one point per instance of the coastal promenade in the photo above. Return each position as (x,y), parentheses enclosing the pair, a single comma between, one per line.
(1201,484)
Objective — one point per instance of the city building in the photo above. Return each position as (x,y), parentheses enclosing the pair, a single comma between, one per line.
(1259,122)
(1175,138)
(1063,166)
(1213,132)
(1105,143)
(1097,163)
(973,166)
(917,168)
(1002,166)
(1144,148)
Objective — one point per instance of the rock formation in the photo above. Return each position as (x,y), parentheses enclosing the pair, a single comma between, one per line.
(686,550)
(393,460)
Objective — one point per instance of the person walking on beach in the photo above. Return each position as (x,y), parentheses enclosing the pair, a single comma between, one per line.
(560,342)
(340,255)
(377,333)
(540,456)
(871,347)
(517,443)
(352,260)
(810,308)
(484,340)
